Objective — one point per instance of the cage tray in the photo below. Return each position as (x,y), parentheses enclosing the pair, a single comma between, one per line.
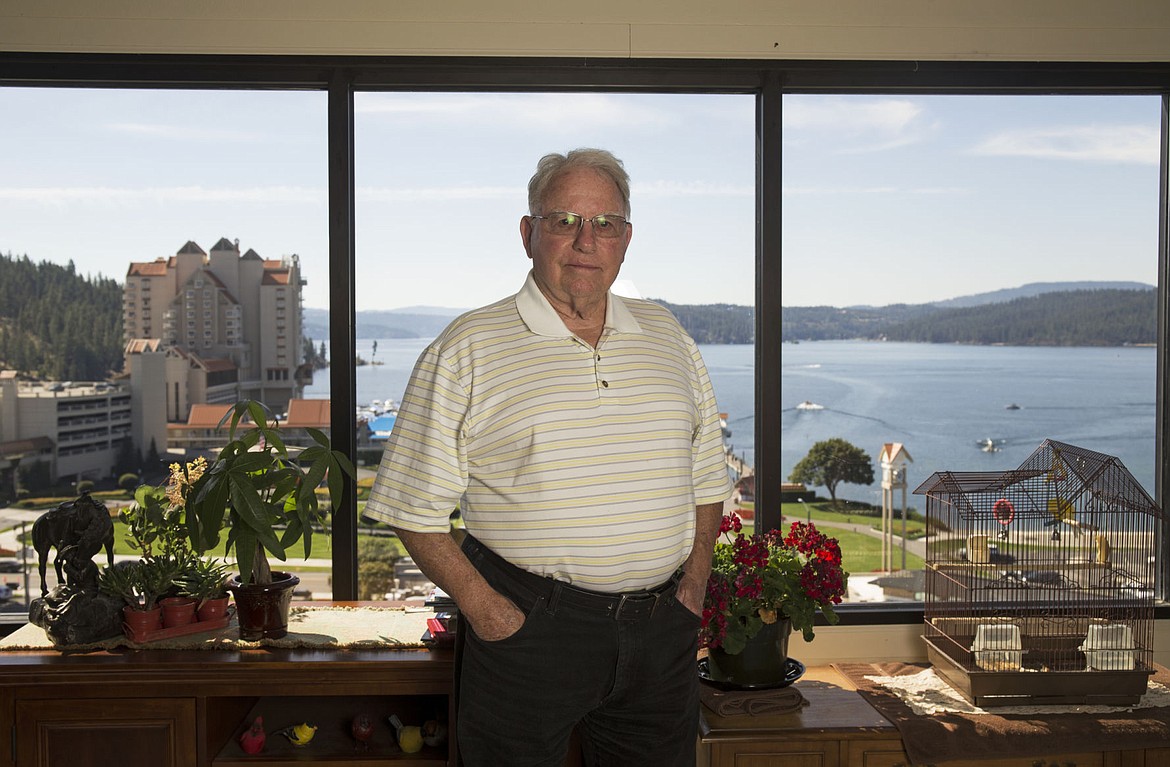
(1034,688)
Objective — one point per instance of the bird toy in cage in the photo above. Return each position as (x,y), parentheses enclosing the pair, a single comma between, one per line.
(1063,513)
(1056,470)
(1004,513)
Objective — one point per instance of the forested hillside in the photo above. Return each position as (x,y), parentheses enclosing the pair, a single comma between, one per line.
(1076,318)
(715,323)
(1109,317)
(57,324)
(707,323)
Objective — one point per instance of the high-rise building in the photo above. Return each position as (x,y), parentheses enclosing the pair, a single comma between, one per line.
(76,428)
(211,328)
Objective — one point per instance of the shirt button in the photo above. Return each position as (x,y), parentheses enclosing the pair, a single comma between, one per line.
(605,384)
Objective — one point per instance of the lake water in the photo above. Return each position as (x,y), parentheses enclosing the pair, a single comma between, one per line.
(938,400)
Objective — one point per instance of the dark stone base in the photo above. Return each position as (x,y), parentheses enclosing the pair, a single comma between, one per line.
(77,617)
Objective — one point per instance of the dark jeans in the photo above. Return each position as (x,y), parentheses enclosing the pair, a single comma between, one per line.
(632,685)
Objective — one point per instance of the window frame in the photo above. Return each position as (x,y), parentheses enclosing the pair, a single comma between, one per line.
(768,80)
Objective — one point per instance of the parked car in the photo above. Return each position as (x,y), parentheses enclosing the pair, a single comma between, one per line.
(1038,578)
(11,566)
(995,556)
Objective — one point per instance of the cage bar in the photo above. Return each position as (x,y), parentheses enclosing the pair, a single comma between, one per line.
(1039,582)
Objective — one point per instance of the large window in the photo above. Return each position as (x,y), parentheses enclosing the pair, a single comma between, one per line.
(966,276)
(828,171)
(200,218)
(441,185)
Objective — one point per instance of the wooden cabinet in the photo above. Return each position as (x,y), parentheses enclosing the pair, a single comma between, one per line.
(85,732)
(825,733)
(186,708)
(839,729)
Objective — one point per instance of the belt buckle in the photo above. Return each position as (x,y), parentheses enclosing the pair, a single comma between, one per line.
(634,600)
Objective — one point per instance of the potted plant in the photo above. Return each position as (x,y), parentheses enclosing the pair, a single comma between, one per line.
(140,584)
(155,527)
(761,587)
(205,581)
(267,495)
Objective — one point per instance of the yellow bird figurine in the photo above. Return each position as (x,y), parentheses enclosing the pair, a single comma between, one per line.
(410,738)
(300,734)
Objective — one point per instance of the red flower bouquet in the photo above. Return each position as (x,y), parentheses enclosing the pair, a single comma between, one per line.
(762,578)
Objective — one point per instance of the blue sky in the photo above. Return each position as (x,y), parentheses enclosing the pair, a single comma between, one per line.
(886,199)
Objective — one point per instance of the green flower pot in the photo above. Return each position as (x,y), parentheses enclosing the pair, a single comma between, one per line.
(763,662)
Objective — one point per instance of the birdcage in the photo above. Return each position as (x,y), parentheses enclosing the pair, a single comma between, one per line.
(1040,580)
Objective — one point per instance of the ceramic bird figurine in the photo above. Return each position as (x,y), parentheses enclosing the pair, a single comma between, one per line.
(410,738)
(434,732)
(362,728)
(300,734)
(252,739)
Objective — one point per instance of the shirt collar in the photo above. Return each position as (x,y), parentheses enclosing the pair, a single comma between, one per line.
(542,319)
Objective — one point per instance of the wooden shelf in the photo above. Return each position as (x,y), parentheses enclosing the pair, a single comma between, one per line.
(333,742)
(190,706)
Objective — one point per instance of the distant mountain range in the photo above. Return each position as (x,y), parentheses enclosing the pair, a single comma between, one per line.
(707,323)
(1045,313)
(1035,289)
(1041,313)
(409,322)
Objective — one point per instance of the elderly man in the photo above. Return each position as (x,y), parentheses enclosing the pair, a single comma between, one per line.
(579,435)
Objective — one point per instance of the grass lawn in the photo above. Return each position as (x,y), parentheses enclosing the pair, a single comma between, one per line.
(322,546)
(860,553)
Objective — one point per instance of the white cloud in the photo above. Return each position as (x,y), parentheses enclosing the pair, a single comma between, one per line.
(872,190)
(122,196)
(689,189)
(439,193)
(855,124)
(186,132)
(1095,143)
(119,196)
(533,111)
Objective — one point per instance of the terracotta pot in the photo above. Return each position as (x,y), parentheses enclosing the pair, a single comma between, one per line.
(138,623)
(177,611)
(262,610)
(763,661)
(213,609)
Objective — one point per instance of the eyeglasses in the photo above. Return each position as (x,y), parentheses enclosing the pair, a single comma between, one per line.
(562,223)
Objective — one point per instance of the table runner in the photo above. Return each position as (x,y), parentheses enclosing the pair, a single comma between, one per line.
(313,627)
(1022,731)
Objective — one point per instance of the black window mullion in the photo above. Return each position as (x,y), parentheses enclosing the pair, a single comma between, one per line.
(769,476)
(342,325)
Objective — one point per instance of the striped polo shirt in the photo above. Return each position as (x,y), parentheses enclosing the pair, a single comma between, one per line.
(580,464)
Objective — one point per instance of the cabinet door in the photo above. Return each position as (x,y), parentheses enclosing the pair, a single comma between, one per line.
(113,732)
(775,754)
(874,753)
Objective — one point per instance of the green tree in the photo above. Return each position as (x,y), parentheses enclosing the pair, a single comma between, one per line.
(832,462)
(376,557)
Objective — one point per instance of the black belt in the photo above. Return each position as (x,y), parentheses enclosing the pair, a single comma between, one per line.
(624,605)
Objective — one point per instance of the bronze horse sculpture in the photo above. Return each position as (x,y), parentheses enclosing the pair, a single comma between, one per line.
(83,526)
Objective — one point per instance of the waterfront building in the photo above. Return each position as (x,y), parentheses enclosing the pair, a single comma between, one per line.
(205,429)
(77,428)
(211,328)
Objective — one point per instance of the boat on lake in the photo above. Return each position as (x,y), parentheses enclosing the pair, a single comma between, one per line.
(988,445)
(809,405)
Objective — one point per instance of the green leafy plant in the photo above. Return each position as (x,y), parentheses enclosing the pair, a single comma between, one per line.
(155,527)
(139,583)
(203,579)
(765,577)
(265,494)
